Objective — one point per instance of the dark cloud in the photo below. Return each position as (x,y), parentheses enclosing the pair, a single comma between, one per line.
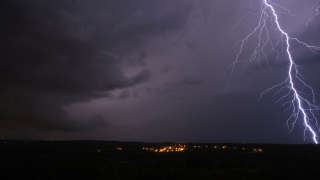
(55,53)
(145,70)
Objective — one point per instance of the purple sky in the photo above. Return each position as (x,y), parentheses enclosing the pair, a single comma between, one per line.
(145,70)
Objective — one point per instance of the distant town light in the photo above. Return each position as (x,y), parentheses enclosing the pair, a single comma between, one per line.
(119,148)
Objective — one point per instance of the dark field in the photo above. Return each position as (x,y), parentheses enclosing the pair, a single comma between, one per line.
(114,160)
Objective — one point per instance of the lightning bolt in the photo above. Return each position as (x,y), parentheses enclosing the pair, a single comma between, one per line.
(301,107)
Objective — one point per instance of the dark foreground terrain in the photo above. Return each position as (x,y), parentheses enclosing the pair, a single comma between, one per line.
(114,160)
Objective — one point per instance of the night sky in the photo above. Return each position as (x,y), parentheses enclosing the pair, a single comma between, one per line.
(145,70)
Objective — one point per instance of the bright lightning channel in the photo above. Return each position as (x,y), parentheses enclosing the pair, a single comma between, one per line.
(301,106)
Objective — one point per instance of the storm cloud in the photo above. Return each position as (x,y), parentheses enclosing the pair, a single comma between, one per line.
(56,53)
(144,70)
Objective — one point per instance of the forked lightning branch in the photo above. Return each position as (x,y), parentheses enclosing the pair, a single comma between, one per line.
(303,108)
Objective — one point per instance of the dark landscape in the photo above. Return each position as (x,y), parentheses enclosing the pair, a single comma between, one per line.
(120,160)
